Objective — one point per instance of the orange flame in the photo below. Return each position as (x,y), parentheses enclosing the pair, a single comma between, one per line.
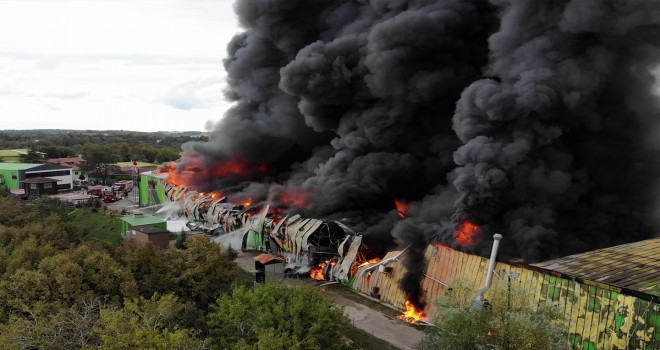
(357,265)
(232,166)
(318,271)
(401,208)
(412,314)
(467,233)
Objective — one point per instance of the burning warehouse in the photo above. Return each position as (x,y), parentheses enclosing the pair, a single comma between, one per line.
(326,249)
(427,122)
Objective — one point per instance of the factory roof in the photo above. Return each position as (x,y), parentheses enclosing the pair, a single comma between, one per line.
(634,266)
(17,166)
(39,180)
(142,219)
(149,230)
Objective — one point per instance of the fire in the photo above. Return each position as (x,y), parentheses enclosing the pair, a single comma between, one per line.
(358,265)
(412,314)
(401,208)
(467,233)
(232,166)
(295,198)
(318,272)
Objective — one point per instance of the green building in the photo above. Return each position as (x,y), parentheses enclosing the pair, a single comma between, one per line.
(128,222)
(152,189)
(12,173)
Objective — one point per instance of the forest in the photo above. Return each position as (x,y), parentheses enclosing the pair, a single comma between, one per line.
(68,281)
(151,147)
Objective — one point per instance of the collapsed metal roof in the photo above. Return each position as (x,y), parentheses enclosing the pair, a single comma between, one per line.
(634,266)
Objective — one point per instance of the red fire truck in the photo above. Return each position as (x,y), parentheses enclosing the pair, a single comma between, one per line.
(122,186)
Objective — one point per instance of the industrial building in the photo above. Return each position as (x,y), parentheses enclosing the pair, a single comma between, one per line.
(609,297)
(152,189)
(11,174)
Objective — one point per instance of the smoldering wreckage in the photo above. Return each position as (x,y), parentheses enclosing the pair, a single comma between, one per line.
(536,119)
(325,250)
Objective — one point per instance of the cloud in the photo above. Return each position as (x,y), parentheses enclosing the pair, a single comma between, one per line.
(194,94)
(98,66)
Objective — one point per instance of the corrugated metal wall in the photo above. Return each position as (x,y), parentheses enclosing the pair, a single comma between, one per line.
(597,316)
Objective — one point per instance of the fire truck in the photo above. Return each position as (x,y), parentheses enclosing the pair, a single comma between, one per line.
(122,186)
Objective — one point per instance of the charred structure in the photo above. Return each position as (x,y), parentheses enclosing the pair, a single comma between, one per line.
(537,119)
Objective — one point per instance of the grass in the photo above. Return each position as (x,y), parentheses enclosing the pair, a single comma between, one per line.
(99,226)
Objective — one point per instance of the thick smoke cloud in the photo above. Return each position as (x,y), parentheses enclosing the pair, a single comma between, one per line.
(535,119)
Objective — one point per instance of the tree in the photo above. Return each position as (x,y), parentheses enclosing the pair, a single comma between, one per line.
(147,324)
(57,151)
(99,162)
(167,155)
(181,240)
(201,272)
(277,317)
(72,328)
(32,156)
(508,322)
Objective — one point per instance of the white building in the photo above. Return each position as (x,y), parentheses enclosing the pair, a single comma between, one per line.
(62,174)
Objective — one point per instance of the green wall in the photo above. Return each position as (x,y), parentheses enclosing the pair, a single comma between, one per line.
(147,196)
(6,171)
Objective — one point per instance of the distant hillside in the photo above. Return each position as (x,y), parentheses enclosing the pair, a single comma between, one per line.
(152,147)
(97,132)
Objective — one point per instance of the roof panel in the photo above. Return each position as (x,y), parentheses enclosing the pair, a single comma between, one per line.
(140,220)
(17,166)
(634,266)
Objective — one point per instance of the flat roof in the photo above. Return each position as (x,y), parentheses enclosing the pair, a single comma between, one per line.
(161,176)
(50,166)
(38,180)
(150,230)
(17,166)
(633,266)
(140,220)
(140,164)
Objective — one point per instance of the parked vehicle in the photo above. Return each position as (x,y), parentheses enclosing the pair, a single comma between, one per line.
(109,198)
(123,186)
(95,191)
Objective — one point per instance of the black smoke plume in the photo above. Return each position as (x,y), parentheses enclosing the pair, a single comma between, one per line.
(535,119)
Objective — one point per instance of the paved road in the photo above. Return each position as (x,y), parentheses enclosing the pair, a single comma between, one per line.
(378,323)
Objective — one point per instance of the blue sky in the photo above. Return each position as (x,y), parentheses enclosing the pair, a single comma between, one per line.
(113,65)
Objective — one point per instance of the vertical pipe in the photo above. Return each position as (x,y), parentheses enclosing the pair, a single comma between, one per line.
(478,301)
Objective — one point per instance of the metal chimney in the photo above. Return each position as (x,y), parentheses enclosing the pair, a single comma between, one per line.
(478,302)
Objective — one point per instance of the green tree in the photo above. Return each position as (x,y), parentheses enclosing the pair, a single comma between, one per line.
(277,317)
(181,240)
(12,212)
(32,156)
(201,272)
(167,155)
(99,162)
(72,328)
(508,322)
(45,206)
(147,324)
(58,152)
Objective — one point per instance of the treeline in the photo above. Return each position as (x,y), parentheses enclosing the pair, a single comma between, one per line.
(61,289)
(127,145)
